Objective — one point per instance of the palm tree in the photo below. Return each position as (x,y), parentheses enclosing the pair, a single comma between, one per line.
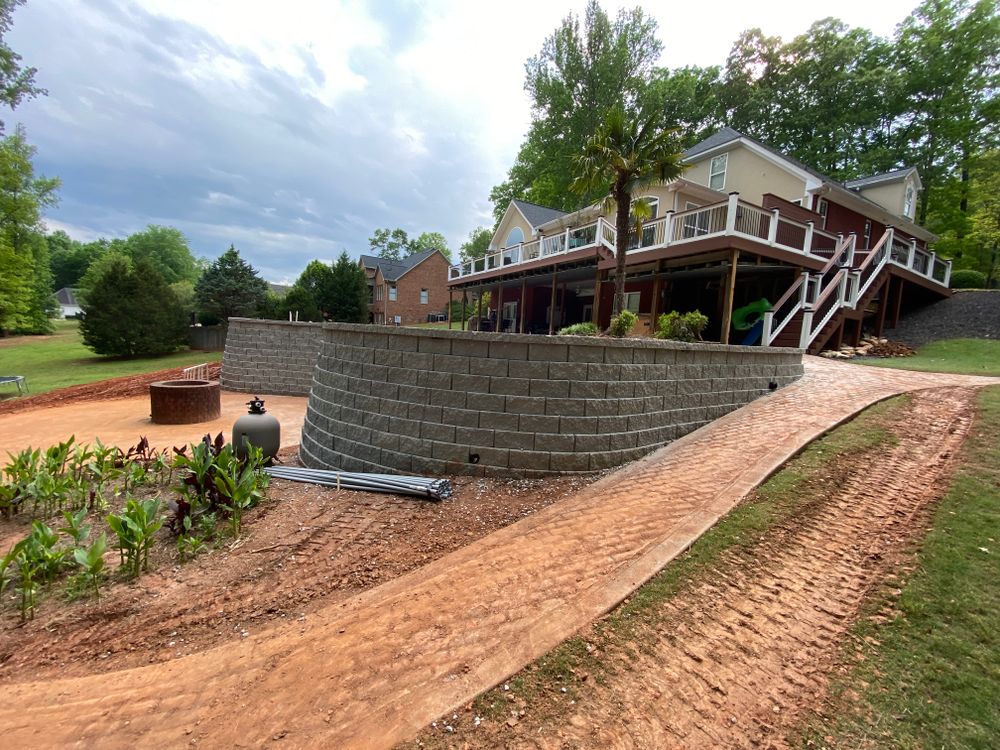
(629,151)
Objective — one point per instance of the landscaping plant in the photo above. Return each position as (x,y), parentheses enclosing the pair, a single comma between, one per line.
(681,327)
(91,560)
(622,324)
(579,329)
(135,528)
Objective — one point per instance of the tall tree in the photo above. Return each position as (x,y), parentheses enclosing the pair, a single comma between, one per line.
(166,248)
(631,150)
(581,72)
(477,245)
(689,97)
(350,297)
(17,82)
(312,295)
(391,244)
(69,259)
(23,195)
(432,241)
(230,288)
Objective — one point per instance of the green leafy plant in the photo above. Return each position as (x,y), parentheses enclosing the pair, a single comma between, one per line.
(240,483)
(967,278)
(622,324)
(74,527)
(579,329)
(135,528)
(91,560)
(681,327)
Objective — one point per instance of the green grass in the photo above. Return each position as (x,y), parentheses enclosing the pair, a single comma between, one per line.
(456,325)
(60,360)
(964,356)
(929,677)
(787,494)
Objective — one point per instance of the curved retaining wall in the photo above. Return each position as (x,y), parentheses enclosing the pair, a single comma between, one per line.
(270,356)
(434,402)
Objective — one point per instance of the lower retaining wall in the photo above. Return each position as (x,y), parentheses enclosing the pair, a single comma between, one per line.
(417,401)
(270,356)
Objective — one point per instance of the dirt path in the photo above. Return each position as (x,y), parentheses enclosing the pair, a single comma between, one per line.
(374,669)
(737,659)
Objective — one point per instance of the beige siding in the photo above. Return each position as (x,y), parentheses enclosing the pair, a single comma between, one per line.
(751,175)
(891,197)
(512,218)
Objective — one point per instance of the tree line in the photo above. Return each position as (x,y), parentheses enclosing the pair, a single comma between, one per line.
(843,100)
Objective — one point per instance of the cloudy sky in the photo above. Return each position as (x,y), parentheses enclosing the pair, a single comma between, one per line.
(293,129)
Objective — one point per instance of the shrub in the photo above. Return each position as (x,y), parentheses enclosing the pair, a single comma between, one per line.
(622,324)
(678,327)
(579,329)
(967,278)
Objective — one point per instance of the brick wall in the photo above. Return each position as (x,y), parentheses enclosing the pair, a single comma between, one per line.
(431,275)
(270,356)
(435,401)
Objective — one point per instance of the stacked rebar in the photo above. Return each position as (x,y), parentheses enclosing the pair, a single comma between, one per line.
(432,489)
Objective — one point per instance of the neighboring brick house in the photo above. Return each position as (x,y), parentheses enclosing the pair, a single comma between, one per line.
(405,292)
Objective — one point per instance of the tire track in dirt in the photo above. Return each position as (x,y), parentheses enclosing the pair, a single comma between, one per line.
(735,661)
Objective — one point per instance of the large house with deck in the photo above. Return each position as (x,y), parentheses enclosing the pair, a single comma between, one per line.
(745,227)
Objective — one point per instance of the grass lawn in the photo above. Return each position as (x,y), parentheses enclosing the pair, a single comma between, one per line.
(50,362)
(457,325)
(928,675)
(966,356)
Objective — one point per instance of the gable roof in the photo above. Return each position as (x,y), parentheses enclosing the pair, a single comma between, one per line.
(67,296)
(393,269)
(894,175)
(537,215)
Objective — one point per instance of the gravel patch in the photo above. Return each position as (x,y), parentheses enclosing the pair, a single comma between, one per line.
(965,315)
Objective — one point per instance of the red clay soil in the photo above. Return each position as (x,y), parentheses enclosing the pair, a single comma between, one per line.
(306,548)
(102,390)
(740,656)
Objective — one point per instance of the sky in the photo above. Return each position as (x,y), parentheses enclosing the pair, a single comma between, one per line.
(294,129)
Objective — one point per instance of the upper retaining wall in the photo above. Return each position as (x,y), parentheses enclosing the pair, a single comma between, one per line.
(270,356)
(438,401)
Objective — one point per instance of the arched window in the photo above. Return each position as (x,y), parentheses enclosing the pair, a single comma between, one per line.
(515,236)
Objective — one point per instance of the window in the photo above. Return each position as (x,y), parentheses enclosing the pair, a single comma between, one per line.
(695,224)
(823,209)
(392,292)
(632,301)
(514,237)
(423,296)
(717,172)
(868,234)
(908,203)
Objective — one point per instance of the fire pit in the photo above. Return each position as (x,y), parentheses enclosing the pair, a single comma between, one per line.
(185,401)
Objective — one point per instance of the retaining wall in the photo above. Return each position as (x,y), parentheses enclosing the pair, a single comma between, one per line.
(433,401)
(270,356)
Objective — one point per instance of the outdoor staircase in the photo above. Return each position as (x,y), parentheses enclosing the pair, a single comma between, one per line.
(817,304)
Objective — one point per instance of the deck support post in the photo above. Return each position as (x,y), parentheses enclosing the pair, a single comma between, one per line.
(655,309)
(883,305)
(552,303)
(479,308)
(899,303)
(595,311)
(465,304)
(451,295)
(727,304)
(524,304)
(499,306)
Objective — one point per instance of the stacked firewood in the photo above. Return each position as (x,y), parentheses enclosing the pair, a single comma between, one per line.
(870,346)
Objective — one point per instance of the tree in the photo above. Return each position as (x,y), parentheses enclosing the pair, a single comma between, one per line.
(166,248)
(579,74)
(230,288)
(26,289)
(630,150)
(69,259)
(391,244)
(350,292)
(432,241)
(17,83)
(312,294)
(130,311)
(689,98)
(477,245)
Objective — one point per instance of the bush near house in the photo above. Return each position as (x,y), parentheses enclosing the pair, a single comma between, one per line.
(622,324)
(579,329)
(967,278)
(677,327)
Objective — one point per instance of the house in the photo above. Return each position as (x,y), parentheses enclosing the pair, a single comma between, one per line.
(407,291)
(69,305)
(745,225)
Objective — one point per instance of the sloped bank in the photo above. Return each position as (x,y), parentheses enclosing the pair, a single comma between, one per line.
(431,401)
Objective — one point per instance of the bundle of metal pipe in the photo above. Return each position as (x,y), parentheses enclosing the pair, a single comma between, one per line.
(432,489)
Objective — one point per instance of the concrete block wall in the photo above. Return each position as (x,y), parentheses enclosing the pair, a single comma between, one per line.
(418,401)
(270,356)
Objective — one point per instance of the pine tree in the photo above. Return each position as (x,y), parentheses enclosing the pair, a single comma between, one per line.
(350,296)
(230,288)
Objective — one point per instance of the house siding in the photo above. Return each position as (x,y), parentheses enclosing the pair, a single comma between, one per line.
(750,175)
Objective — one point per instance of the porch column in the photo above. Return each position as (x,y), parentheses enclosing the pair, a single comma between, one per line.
(899,303)
(499,305)
(479,308)
(727,305)
(523,305)
(655,309)
(883,305)
(552,302)
(465,304)
(596,310)
(451,294)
